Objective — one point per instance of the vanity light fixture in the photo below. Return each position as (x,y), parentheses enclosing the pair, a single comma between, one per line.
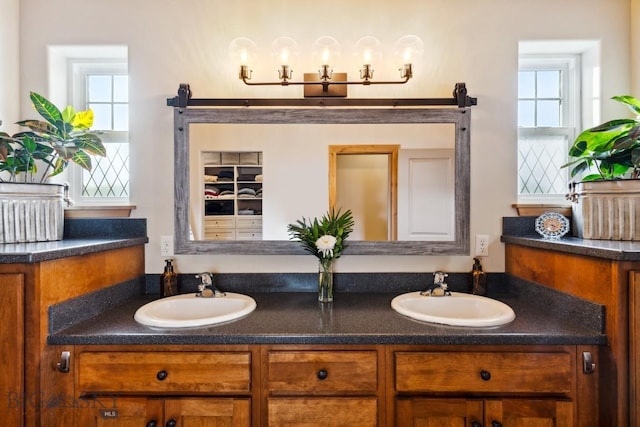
(325,82)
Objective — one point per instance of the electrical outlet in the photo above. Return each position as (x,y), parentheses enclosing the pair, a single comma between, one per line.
(482,245)
(166,245)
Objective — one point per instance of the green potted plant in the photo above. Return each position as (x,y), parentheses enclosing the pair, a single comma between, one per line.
(33,210)
(607,201)
(325,239)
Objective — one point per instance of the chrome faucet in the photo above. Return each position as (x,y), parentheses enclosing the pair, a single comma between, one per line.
(439,287)
(206,288)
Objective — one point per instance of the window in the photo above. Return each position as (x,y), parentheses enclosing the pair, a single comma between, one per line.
(103,86)
(96,76)
(547,117)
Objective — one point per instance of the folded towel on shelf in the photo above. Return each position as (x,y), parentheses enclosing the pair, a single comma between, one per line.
(247,191)
(246,212)
(247,177)
(210,178)
(258,178)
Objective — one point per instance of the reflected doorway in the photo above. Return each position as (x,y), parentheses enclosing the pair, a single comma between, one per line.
(364,178)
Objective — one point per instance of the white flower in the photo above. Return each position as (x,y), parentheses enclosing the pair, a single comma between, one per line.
(325,245)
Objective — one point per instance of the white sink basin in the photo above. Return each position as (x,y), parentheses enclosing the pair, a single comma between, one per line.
(457,309)
(187,310)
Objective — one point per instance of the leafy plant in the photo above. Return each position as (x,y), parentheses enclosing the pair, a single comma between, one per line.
(63,137)
(613,148)
(324,238)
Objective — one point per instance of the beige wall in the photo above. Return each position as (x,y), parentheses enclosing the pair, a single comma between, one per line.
(9,64)
(173,41)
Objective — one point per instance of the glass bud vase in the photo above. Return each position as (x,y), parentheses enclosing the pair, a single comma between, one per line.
(325,281)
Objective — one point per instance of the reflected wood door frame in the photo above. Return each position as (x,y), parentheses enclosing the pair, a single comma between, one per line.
(392,152)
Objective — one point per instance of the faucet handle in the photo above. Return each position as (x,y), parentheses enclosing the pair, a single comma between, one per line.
(206,278)
(438,277)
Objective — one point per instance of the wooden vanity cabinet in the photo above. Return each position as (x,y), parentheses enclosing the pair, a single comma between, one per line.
(334,385)
(163,386)
(34,391)
(611,283)
(491,386)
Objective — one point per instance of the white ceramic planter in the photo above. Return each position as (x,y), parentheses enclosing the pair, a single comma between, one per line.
(31,212)
(606,210)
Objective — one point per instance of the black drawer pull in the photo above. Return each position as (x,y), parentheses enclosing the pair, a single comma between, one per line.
(485,375)
(171,423)
(152,423)
(322,374)
(162,375)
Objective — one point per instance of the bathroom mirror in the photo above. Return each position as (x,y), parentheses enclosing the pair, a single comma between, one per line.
(293,147)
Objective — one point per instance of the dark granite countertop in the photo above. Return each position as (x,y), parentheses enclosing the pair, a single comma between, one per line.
(521,231)
(607,249)
(81,236)
(353,318)
(44,251)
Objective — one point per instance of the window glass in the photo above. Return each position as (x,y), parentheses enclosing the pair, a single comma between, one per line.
(99,88)
(121,88)
(526,84)
(548,113)
(102,116)
(548,84)
(526,113)
(121,117)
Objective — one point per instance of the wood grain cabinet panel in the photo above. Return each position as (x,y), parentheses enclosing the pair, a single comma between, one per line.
(164,372)
(12,338)
(462,412)
(118,411)
(323,412)
(484,372)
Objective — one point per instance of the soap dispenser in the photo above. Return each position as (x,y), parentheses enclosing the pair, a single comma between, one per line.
(168,280)
(478,278)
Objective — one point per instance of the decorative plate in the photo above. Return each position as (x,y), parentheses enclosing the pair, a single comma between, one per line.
(552,225)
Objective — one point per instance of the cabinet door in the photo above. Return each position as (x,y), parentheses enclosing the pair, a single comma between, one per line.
(197,412)
(323,412)
(529,413)
(12,342)
(425,412)
(114,411)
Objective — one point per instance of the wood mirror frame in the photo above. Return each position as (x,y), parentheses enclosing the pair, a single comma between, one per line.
(322,111)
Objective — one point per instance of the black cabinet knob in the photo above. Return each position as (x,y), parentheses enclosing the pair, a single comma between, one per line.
(495,423)
(171,423)
(476,424)
(485,375)
(322,374)
(162,375)
(152,423)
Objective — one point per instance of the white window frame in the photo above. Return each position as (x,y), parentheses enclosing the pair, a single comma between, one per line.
(570,66)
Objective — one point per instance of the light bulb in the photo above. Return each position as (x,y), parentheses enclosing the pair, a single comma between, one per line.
(408,48)
(242,50)
(284,49)
(326,50)
(368,49)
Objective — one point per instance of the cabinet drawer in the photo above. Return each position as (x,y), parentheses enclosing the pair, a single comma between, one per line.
(484,372)
(323,412)
(322,372)
(250,223)
(163,372)
(248,235)
(220,234)
(219,222)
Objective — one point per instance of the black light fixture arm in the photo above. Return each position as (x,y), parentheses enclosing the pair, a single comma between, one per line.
(184,99)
